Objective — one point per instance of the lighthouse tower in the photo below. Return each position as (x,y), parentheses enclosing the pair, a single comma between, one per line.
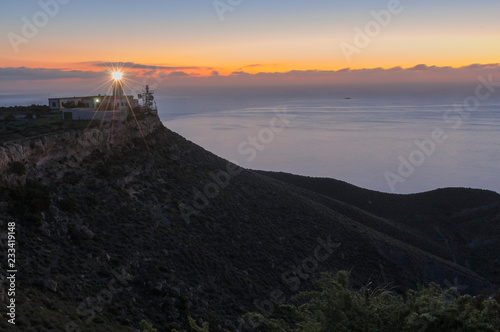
(118,94)
(117,85)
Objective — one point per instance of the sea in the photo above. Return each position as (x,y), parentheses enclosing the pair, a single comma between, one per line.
(396,145)
(390,144)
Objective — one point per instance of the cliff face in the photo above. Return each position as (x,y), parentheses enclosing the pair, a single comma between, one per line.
(113,227)
(72,146)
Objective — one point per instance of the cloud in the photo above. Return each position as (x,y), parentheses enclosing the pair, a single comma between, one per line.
(134,65)
(32,74)
(482,66)
(398,68)
(421,79)
(251,66)
(240,73)
(421,67)
(178,74)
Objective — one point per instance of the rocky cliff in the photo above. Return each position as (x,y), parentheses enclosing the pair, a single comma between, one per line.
(71,145)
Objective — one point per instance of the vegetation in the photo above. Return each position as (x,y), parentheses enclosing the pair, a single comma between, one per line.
(128,236)
(29,201)
(337,308)
(10,118)
(32,197)
(18,168)
(17,122)
(68,204)
(22,127)
(33,109)
(146,327)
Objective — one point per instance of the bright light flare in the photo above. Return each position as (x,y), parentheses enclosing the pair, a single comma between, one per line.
(117,75)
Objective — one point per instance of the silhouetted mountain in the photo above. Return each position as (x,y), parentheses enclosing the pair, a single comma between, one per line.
(458,224)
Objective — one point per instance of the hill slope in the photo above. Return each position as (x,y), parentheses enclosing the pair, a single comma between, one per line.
(458,224)
(112,228)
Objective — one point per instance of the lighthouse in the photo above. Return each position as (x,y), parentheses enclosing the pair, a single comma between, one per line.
(117,85)
(119,97)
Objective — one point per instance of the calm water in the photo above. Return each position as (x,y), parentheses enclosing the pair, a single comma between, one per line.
(361,141)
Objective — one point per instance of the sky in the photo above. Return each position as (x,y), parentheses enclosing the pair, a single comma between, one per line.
(53,47)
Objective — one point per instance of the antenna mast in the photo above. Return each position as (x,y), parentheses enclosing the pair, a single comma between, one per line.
(148,99)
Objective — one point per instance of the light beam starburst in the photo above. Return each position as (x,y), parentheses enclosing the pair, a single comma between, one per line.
(117,75)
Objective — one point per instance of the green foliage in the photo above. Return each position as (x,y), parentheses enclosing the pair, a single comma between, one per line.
(195,327)
(337,308)
(146,327)
(18,168)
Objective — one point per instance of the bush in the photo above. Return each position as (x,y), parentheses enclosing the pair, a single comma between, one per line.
(195,327)
(146,327)
(18,168)
(68,204)
(10,118)
(27,203)
(336,308)
(32,198)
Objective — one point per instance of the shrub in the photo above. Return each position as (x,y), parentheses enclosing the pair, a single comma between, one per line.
(68,204)
(195,327)
(31,198)
(18,168)
(146,327)
(10,118)
(27,203)
(337,308)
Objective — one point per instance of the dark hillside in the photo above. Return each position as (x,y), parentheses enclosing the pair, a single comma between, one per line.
(458,224)
(111,231)
(438,203)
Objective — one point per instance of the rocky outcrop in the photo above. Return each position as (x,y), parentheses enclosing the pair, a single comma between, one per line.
(72,146)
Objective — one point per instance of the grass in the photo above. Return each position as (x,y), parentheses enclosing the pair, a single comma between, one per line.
(24,128)
(22,122)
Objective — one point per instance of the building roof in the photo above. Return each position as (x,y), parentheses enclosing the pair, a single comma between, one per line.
(90,97)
